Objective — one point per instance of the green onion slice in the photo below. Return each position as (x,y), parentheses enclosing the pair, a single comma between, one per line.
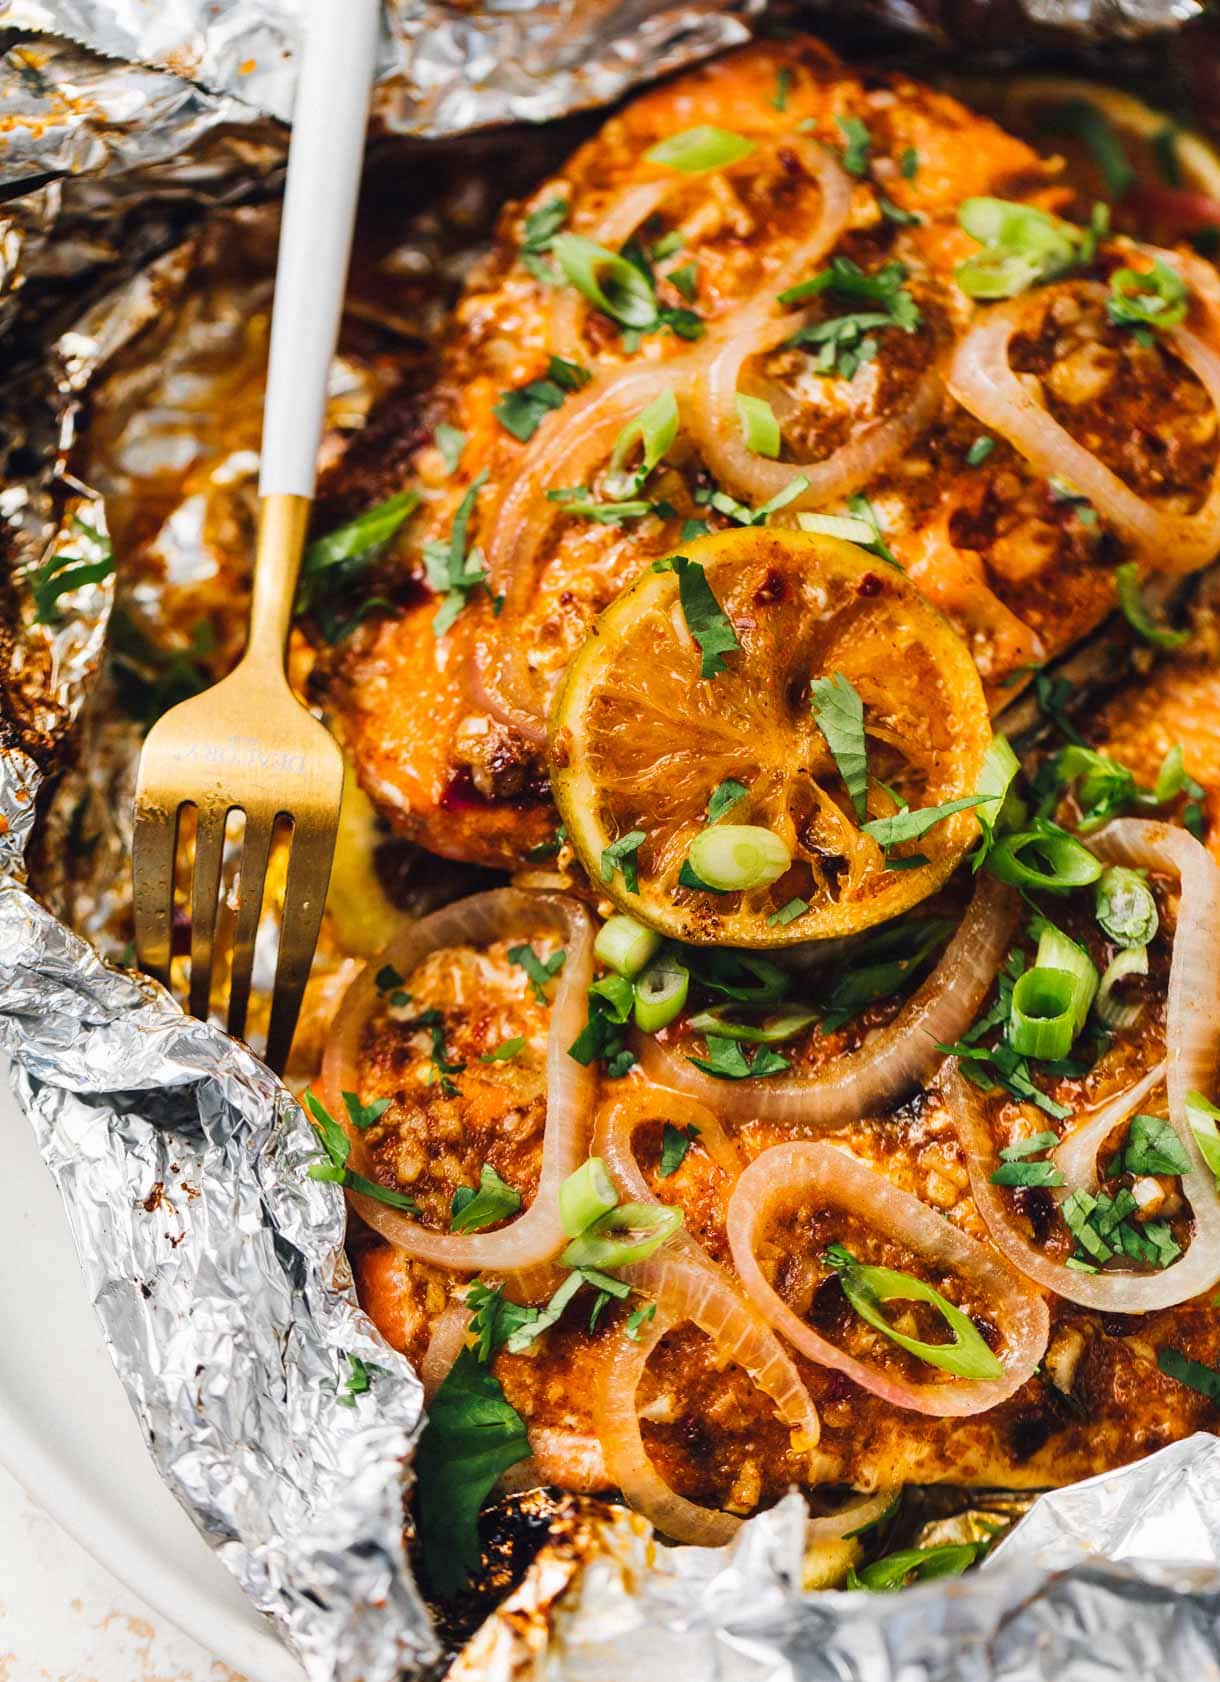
(838,525)
(1041,1017)
(736,857)
(609,282)
(1022,246)
(697,150)
(655,429)
(1044,859)
(759,427)
(1144,298)
(773,1029)
(1057,951)
(625,945)
(1127,582)
(1202,1116)
(1133,960)
(630,1233)
(1125,907)
(585,1196)
(660,994)
(867,1288)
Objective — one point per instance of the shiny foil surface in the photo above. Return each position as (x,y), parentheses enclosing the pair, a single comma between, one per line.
(216,1265)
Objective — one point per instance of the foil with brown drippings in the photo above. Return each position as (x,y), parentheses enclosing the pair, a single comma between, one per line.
(135,263)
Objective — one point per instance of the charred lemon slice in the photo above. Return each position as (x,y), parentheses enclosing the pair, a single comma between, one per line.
(749,746)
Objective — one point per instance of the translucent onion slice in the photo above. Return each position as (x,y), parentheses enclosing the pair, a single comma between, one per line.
(445,1344)
(568,449)
(755,478)
(981,378)
(1076,1156)
(890,1063)
(786,1174)
(685,1284)
(1193,1063)
(627,213)
(537,1235)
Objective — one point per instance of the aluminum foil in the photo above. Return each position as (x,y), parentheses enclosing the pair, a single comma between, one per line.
(216,1265)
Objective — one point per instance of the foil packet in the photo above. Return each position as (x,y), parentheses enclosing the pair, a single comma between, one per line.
(217,1266)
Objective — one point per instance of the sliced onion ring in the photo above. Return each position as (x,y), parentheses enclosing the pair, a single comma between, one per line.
(983,381)
(537,1235)
(890,1063)
(613,230)
(1076,1154)
(685,1284)
(781,1176)
(1192,1028)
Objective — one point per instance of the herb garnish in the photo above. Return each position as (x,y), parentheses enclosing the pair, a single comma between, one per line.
(333,1166)
(603,1038)
(363,1116)
(838,712)
(620,855)
(724,797)
(978,452)
(705,618)
(523,410)
(882,964)
(505,1051)
(356,1384)
(859,145)
(1152,1147)
(472,1436)
(62,573)
(475,1211)
(450,442)
(909,824)
(788,913)
(727,1061)
(845,341)
(453,573)
(1016,1168)
(675,1142)
(1194,1374)
(540,228)
(539,971)
(333,566)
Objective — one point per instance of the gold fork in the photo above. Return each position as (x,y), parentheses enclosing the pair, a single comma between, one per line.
(248,745)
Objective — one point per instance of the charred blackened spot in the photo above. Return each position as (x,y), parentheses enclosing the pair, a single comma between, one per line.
(869,585)
(1039,1208)
(1029,1433)
(789,162)
(772,589)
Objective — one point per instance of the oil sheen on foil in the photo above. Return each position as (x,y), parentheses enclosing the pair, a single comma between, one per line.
(216,1265)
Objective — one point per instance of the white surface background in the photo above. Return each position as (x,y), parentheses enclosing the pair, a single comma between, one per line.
(63,1618)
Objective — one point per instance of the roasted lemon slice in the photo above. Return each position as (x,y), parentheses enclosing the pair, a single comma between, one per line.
(754,742)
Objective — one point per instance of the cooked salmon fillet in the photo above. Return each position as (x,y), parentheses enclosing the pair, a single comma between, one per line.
(445,730)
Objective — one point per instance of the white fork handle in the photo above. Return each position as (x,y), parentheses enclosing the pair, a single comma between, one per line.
(329,119)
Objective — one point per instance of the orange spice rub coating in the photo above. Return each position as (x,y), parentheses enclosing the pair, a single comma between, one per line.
(1020,570)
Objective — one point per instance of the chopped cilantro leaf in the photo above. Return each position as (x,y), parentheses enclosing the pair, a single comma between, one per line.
(705,619)
(472,1436)
(979,451)
(1194,1374)
(838,712)
(356,1384)
(621,855)
(452,572)
(637,1320)
(783,86)
(909,825)
(505,1051)
(538,970)
(859,144)
(727,1060)
(523,410)
(475,1211)
(908,164)
(333,1167)
(724,797)
(364,1115)
(675,1142)
(1153,1147)
(788,913)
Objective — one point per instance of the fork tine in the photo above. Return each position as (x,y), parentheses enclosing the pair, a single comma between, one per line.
(251,880)
(154,845)
(313,847)
(205,892)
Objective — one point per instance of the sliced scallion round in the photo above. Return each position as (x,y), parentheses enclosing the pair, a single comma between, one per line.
(1044,859)
(660,994)
(838,525)
(735,857)
(609,282)
(654,430)
(1133,960)
(759,427)
(867,1288)
(1057,951)
(585,1196)
(625,946)
(696,150)
(1125,906)
(1022,246)
(774,1029)
(630,1233)
(1041,1021)
(1202,1117)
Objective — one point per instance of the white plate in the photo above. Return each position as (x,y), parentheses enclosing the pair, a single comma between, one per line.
(70,1439)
